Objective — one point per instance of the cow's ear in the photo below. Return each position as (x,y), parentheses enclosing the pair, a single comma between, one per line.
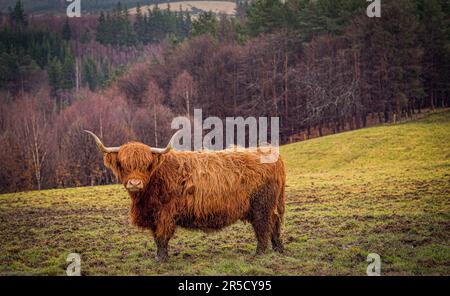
(151,165)
(154,163)
(112,161)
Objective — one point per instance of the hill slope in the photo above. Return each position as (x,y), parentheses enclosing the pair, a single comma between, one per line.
(379,190)
(194,7)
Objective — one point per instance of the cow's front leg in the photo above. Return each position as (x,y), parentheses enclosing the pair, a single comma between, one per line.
(164,231)
(162,249)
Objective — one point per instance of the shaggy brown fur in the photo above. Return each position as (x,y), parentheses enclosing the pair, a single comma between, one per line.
(202,190)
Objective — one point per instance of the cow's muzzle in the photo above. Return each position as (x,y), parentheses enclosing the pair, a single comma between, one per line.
(134,185)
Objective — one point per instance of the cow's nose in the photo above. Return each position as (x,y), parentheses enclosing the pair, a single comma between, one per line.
(134,184)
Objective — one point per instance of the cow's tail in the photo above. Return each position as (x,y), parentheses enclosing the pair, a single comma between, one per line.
(281,197)
(278,219)
(281,203)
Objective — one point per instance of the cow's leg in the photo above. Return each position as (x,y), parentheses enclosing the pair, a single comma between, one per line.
(262,232)
(164,231)
(262,203)
(162,249)
(277,245)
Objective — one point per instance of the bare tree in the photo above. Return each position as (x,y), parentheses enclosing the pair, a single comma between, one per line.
(32,128)
(183,90)
(154,97)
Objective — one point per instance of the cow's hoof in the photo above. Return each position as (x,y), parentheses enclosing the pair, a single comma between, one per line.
(279,249)
(260,251)
(161,258)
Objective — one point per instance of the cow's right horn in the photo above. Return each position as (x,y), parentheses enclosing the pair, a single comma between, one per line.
(100,145)
(168,147)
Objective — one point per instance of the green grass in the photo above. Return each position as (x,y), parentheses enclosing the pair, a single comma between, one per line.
(382,190)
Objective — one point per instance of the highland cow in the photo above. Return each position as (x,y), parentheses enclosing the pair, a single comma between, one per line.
(204,190)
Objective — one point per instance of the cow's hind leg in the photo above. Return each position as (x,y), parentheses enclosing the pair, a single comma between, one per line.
(277,220)
(262,233)
(262,203)
(277,245)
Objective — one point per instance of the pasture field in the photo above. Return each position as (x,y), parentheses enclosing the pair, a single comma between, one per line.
(382,190)
(219,7)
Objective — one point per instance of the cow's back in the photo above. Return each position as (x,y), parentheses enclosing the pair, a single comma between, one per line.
(211,190)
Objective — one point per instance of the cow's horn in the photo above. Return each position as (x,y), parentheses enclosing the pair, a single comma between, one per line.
(100,145)
(168,147)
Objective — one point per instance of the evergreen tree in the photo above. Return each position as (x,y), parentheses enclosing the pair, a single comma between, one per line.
(17,16)
(204,24)
(86,37)
(151,27)
(187,24)
(66,31)
(390,59)
(101,34)
(265,16)
(155,24)
(139,25)
(128,34)
(90,75)
(434,37)
(55,74)
(307,17)
(68,69)
(104,76)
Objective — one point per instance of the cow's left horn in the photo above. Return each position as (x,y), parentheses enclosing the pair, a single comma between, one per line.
(168,147)
(100,145)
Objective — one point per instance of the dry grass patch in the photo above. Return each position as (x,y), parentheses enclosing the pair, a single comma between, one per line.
(219,7)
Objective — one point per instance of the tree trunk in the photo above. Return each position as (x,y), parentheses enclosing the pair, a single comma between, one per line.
(187,103)
(155,125)
(432,100)
(77,77)
(286,85)
(351,123)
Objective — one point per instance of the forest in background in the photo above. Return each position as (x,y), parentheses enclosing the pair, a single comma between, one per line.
(318,65)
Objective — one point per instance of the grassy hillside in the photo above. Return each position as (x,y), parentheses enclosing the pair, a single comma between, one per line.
(382,190)
(219,7)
